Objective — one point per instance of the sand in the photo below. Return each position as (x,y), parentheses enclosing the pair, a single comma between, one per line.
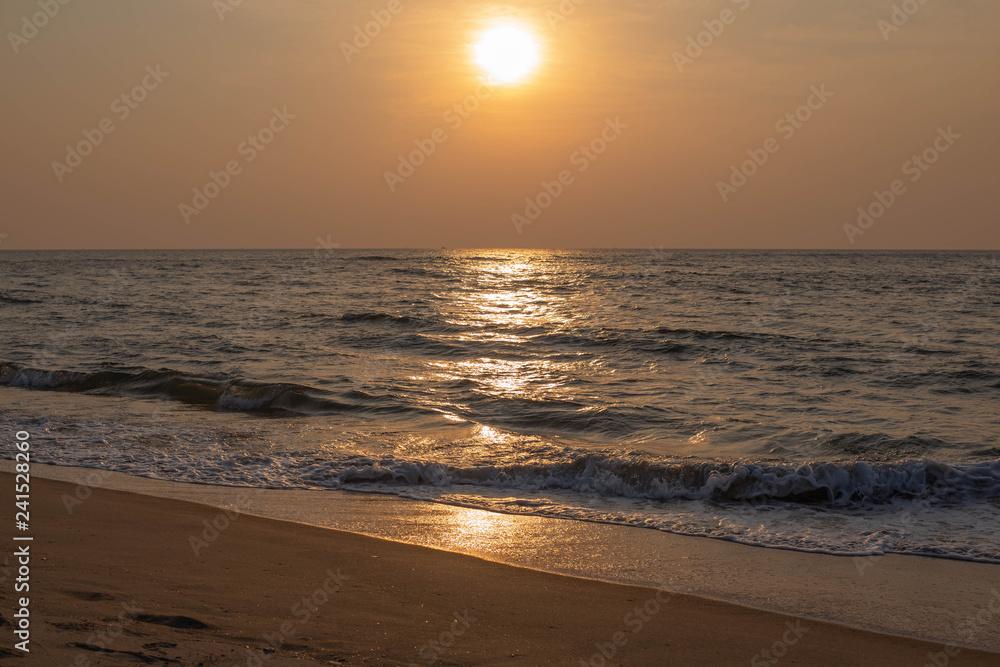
(131,579)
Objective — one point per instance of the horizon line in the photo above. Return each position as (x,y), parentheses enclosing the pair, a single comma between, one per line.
(507,249)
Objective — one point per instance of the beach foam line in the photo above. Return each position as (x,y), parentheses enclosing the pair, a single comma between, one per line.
(316,596)
(924,598)
(821,483)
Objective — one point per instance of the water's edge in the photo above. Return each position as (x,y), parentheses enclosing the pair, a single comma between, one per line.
(870,593)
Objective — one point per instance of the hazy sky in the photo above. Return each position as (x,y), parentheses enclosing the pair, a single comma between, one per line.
(339,111)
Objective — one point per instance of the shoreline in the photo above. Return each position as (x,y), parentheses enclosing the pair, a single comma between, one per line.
(275,592)
(854,591)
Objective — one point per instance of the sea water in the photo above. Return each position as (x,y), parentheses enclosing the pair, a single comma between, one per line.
(823,401)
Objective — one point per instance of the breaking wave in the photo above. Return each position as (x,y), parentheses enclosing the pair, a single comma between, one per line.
(219,392)
(832,484)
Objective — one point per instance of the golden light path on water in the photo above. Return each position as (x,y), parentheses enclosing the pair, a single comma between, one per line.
(507,299)
(500,304)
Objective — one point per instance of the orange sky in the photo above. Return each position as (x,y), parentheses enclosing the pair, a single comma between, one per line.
(669,120)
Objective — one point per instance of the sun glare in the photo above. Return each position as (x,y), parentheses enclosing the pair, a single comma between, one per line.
(507,53)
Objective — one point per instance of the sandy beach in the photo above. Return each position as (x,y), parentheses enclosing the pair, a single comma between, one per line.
(128,578)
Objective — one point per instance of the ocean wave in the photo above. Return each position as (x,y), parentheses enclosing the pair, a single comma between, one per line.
(16,300)
(560,417)
(851,484)
(379,317)
(418,271)
(946,381)
(219,392)
(595,339)
(881,446)
(705,334)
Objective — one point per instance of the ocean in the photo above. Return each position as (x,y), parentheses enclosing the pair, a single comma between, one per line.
(835,402)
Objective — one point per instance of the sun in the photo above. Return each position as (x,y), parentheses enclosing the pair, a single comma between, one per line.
(508,53)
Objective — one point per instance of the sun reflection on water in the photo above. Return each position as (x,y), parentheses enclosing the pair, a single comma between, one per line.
(478,531)
(521,309)
(508,299)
